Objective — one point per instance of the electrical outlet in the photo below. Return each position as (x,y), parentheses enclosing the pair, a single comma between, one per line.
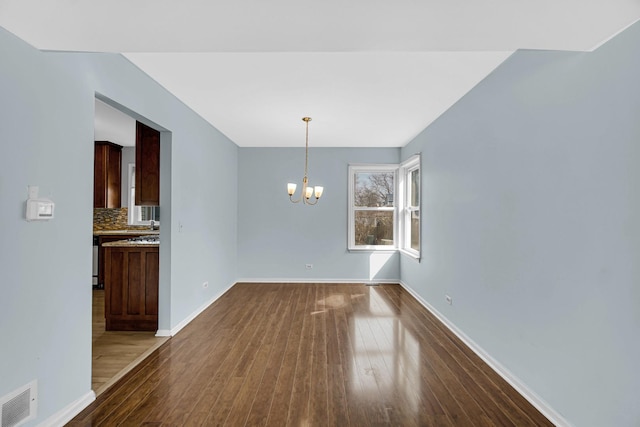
(448,299)
(205,285)
(308,266)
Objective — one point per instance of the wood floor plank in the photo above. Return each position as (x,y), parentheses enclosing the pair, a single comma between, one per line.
(279,411)
(354,390)
(298,410)
(312,354)
(253,376)
(178,389)
(338,414)
(318,396)
(266,390)
(249,344)
(417,398)
(360,365)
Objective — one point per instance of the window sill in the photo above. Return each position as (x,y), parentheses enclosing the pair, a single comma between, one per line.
(412,255)
(373,249)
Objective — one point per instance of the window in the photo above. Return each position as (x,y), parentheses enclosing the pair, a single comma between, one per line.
(372,217)
(384,207)
(410,206)
(140,215)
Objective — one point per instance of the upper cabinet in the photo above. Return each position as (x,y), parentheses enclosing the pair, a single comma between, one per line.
(147,166)
(106,174)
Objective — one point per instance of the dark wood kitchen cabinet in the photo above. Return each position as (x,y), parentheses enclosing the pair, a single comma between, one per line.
(102,239)
(107,164)
(131,288)
(147,166)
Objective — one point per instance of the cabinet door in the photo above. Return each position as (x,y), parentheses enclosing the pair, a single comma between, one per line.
(114,178)
(147,166)
(106,175)
(131,289)
(99,176)
(101,249)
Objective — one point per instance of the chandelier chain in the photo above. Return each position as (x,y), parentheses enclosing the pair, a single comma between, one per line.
(306,148)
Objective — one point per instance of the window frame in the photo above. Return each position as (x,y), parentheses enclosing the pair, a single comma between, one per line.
(135,211)
(372,168)
(410,165)
(402,208)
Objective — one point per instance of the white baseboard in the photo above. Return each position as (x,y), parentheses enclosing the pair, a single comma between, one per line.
(188,319)
(307,280)
(65,415)
(539,403)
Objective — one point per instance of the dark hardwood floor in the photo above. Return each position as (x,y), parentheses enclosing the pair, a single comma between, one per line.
(312,355)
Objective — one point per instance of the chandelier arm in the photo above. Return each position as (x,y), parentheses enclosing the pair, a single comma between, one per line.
(309,202)
(302,193)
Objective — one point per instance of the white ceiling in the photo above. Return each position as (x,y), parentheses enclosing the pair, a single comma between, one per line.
(369,72)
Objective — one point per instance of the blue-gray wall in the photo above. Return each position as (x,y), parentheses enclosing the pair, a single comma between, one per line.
(46,135)
(276,238)
(531,210)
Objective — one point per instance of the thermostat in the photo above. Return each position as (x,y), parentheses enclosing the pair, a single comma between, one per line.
(39,209)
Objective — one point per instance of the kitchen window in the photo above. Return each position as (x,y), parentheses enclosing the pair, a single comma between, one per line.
(140,215)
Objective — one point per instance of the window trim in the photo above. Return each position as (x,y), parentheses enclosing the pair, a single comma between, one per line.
(131,185)
(401,209)
(406,168)
(373,168)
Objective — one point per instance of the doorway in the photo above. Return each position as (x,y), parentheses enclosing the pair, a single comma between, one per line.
(114,353)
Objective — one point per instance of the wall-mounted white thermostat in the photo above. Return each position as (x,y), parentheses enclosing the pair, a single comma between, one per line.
(39,209)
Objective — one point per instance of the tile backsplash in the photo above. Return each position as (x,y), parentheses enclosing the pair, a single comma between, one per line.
(113,219)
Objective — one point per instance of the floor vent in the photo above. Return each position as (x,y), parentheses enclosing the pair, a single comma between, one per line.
(19,406)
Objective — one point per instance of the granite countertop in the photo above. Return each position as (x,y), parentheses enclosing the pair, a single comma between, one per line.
(136,242)
(141,232)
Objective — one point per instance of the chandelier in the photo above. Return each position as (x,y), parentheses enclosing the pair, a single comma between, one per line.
(307,191)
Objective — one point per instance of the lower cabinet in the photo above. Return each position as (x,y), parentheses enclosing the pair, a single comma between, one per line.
(106,239)
(131,288)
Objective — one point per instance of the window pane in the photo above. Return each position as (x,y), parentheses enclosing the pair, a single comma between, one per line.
(374,189)
(414,179)
(415,230)
(374,227)
(150,213)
